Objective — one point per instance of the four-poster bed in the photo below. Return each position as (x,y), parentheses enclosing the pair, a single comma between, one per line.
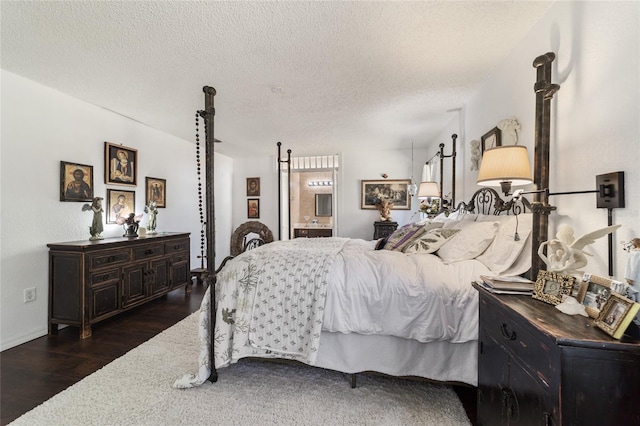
(339,330)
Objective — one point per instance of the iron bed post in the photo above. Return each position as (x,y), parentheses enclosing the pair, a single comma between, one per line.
(288,162)
(453,169)
(210,279)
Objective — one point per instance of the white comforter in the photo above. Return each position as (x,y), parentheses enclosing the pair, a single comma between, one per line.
(414,296)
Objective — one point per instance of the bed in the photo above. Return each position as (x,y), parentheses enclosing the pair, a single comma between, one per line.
(398,312)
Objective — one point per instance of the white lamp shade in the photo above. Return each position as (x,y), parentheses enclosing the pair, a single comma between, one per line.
(505,164)
(428,189)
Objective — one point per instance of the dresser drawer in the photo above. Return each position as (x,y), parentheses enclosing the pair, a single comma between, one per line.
(147,251)
(109,258)
(508,332)
(175,246)
(105,277)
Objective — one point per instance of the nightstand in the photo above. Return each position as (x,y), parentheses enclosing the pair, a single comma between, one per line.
(539,366)
(383,229)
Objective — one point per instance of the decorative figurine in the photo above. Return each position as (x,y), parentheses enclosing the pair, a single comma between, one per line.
(565,253)
(152,210)
(96,227)
(384,206)
(130,224)
(632,271)
(476,155)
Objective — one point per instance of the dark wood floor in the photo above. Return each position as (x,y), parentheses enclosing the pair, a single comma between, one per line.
(33,372)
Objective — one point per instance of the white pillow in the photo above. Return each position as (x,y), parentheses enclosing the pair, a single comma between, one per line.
(470,242)
(430,241)
(504,250)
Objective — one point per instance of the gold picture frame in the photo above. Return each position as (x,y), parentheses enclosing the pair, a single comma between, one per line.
(120,204)
(550,286)
(616,315)
(594,293)
(396,191)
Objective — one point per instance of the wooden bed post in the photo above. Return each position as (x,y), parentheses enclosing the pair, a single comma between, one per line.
(544,91)
(208,115)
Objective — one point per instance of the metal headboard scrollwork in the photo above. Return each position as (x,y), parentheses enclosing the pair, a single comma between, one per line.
(487,201)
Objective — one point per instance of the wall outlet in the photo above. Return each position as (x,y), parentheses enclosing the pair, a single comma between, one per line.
(29,294)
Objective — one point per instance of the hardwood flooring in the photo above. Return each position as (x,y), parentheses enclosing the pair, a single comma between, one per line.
(35,371)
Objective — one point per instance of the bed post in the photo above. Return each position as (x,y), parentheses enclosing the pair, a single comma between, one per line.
(208,114)
(453,170)
(288,162)
(544,91)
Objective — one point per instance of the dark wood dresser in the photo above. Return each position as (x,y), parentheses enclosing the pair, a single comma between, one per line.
(538,366)
(312,232)
(93,280)
(383,229)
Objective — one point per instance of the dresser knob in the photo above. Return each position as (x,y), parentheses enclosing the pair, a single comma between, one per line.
(505,333)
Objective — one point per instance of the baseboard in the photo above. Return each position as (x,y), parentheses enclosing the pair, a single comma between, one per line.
(34,334)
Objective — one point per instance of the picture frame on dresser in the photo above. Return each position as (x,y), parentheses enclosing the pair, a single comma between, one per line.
(394,190)
(550,286)
(616,315)
(120,165)
(594,293)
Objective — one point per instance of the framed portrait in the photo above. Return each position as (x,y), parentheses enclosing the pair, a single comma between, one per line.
(616,315)
(396,191)
(253,208)
(155,190)
(120,164)
(491,139)
(594,293)
(120,204)
(253,187)
(76,182)
(550,286)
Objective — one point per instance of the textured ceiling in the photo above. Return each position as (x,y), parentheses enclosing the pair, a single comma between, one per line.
(318,76)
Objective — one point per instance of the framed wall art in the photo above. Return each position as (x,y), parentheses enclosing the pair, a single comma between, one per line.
(155,190)
(253,208)
(253,187)
(76,182)
(616,315)
(594,293)
(120,165)
(491,139)
(396,191)
(120,204)
(550,286)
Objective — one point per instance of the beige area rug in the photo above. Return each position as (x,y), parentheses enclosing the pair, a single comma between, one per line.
(136,390)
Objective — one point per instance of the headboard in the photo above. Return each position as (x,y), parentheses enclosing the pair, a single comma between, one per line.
(487,201)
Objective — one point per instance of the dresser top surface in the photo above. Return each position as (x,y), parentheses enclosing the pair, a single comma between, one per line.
(105,243)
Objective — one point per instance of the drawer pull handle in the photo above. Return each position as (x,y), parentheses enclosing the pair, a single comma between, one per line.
(505,333)
(148,251)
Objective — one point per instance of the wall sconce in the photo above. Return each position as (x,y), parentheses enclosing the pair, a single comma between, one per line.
(505,166)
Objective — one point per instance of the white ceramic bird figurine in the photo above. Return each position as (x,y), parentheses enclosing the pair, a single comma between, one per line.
(565,253)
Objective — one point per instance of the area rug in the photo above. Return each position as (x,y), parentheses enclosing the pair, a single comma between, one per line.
(136,390)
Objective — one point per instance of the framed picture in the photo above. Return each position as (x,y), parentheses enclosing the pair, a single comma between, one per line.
(155,190)
(120,204)
(76,182)
(594,293)
(491,139)
(396,191)
(616,315)
(253,187)
(120,164)
(550,286)
(253,208)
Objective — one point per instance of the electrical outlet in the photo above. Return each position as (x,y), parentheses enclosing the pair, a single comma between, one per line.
(29,294)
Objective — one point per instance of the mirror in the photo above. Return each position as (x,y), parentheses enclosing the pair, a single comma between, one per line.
(323,205)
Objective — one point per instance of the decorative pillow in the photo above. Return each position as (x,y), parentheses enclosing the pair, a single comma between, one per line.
(505,250)
(470,242)
(402,236)
(430,241)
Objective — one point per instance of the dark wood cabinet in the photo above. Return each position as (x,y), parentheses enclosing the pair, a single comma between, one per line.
(538,366)
(93,280)
(312,232)
(383,229)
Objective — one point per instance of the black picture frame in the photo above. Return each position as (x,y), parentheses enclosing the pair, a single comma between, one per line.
(120,210)
(491,139)
(253,187)
(120,165)
(394,190)
(76,182)
(155,190)
(253,208)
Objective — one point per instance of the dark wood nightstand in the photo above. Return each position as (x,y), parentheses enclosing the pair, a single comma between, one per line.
(383,229)
(538,366)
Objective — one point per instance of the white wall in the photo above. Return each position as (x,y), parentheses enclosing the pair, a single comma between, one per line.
(40,128)
(595,115)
